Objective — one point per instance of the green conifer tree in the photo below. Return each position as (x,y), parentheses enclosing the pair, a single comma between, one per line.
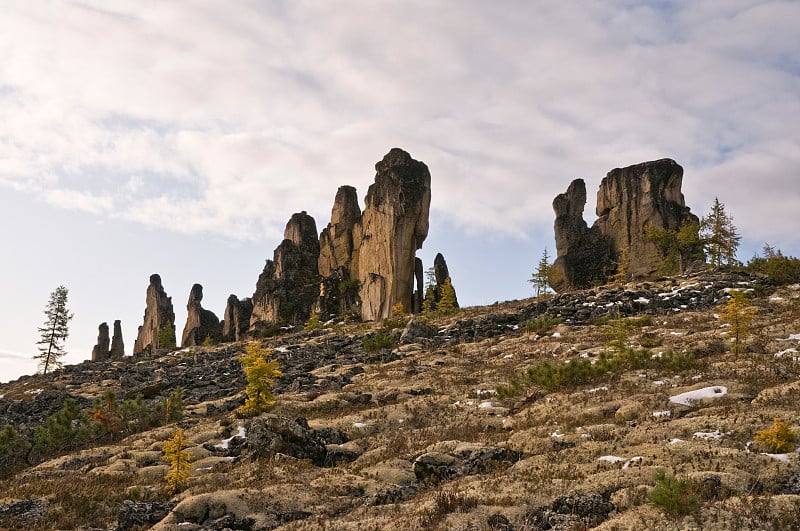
(54,331)
(720,237)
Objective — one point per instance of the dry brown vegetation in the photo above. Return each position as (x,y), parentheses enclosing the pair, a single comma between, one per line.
(610,435)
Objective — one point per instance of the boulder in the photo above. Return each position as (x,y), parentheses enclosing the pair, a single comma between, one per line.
(236,319)
(101,352)
(117,345)
(157,314)
(141,515)
(200,323)
(272,434)
(288,287)
(394,225)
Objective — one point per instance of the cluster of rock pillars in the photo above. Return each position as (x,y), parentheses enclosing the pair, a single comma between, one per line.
(364,264)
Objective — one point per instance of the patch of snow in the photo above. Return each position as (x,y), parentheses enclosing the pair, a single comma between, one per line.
(658,355)
(676,333)
(632,460)
(716,316)
(514,327)
(240,432)
(777,354)
(642,300)
(281,349)
(707,435)
(609,305)
(2,396)
(556,334)
(400,421)
(611,458)
(508,356)
(485,392)
(776,299)
(596,389)
(556,434)
(676,441)
(688,397)
(780,457)
(485,405)
(203,469)
(359,425)
(697,377)
(659,414)
(792,337)
(33,391)
(659,382)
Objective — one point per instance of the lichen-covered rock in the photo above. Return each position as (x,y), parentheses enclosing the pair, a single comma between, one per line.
(394,225)
(101,352)
(288,287)
(633,198)
(137,514)
(200,323)
(236,319)
(272,434)
(158,313)
(117,344)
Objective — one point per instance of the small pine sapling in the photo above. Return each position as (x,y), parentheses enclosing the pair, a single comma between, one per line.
(739,316)
(447,304)
(260,372)
(179,459)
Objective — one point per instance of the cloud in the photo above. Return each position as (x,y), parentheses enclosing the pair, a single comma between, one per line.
(226,120)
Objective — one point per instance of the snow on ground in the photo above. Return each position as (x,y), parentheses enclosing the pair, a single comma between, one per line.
(642,300)
(611,458)
(659,414)
(782,353)
(485,405)
(780,457)
(676,441)
(281,349)
(240,432)
(716,434)
(792,337)
(597,389)
(688,397)
(359,425)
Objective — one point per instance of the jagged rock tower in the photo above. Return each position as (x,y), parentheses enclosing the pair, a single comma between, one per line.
(288,287)
(158,312)
(236,320)
(629,200)
(393,227)
(200,323)
(101,351)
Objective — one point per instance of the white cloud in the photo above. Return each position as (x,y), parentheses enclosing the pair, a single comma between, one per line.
(226,120)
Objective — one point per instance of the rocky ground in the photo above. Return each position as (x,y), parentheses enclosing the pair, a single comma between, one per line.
(415,436)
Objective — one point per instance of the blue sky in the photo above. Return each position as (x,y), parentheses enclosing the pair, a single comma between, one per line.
(141,137)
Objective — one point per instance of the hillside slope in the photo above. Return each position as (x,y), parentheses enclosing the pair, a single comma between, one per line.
(415,435)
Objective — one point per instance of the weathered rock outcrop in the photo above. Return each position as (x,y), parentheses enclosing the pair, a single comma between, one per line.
(337,245)
(631,199)
(236,320)
(288,287)
(394,225)
(584,255)
(117,345)
(158,313)
(101,352)
(200,323)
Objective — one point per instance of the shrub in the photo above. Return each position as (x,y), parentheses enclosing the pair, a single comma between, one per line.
(380,340)
(780,438)
(312,323)
(676,497)
(260,373)
(777,267)
(13,447)
(541,324)
(106,414)
(173,406)
(447,303)
(63,430)
(177,456)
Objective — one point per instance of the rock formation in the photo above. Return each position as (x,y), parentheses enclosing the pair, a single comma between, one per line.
(394,225)
(200,323)
(338,257)
(337,249)
(288,287)
(117,345)
(629,200)
(441,274)
(236,320)
(583,254)
(157,314)
(633,198)
(101,352)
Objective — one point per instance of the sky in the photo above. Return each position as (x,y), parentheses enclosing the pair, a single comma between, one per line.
(178,138)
